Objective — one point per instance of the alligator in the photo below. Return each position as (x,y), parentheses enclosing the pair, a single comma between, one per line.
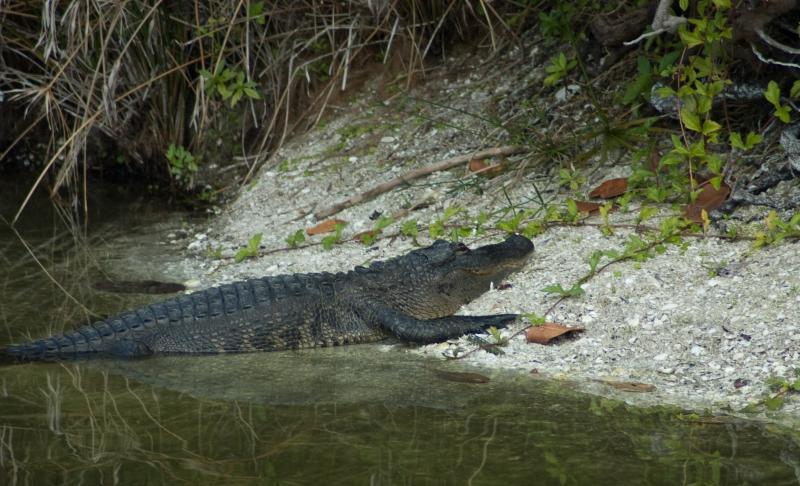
(411,297)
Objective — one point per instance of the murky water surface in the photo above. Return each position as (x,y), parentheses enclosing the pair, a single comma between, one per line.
(369,414)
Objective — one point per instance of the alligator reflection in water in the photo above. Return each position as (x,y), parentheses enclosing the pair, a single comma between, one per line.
(353,415)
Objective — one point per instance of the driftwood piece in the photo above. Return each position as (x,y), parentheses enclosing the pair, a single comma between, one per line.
(416,174)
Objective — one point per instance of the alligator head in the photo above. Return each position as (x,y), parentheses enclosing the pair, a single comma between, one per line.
(435,281)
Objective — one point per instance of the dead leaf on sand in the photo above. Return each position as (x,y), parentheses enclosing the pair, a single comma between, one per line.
(327,226)
(481,168)
(708,199)
(611,188)
(548,331)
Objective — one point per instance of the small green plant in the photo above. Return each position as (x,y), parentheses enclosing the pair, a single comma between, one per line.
(295,239)
(639,88)
(751,141)
(781,388)
(334,238)
(604,210)
(573,215)
(777,230)
(572,179)
(512,225)
(557,22)
(558,68)
(369,237)
(773,95)
(646,213)
(410,229)
(534,319)
(437,229)
(182,164)
(480,222)
(574,291)
(229,84)
(497,337)
(250,251)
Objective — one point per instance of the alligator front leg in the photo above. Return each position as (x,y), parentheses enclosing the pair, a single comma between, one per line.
(411,329)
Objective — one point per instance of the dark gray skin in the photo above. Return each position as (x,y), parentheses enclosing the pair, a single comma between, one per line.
(412,297)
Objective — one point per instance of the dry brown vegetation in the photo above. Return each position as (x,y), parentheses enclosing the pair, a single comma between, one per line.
(105,83)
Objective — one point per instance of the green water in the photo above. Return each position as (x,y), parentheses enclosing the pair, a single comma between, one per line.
(367,414)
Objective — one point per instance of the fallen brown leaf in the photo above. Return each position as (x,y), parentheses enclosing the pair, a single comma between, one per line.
(708,199)
(327,226)
(630,386)
(548,331)
(587,207)
(481,168)
(610,188)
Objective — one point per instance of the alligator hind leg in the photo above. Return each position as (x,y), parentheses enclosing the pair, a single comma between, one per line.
(414,330)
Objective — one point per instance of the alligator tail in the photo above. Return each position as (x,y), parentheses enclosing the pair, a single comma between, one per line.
(115,337)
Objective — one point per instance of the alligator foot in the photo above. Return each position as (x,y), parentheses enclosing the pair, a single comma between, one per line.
(407,328)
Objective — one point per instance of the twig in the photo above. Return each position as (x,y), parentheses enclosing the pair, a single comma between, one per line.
(416,174)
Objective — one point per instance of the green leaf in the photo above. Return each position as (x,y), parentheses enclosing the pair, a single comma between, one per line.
(554,289)
(251,93)
(236,97)
(594,259)
(254,241)
(690,38)
(668,60)
(665,92)
(697,149)
(774,403)
(646,213)
(736,141)
(572,208)
(703,104)
(710,126)
(753,139)
(294,239)
(773,94)
(794,92)
(409,228)
(782,113)
(683,4)
(535,319)
(383,222)
(691,120)
(328,242)
(575,291)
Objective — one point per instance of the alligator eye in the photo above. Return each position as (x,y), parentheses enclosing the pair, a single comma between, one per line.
(460,248)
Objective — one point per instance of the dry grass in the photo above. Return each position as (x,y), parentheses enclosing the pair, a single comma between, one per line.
(118,82)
